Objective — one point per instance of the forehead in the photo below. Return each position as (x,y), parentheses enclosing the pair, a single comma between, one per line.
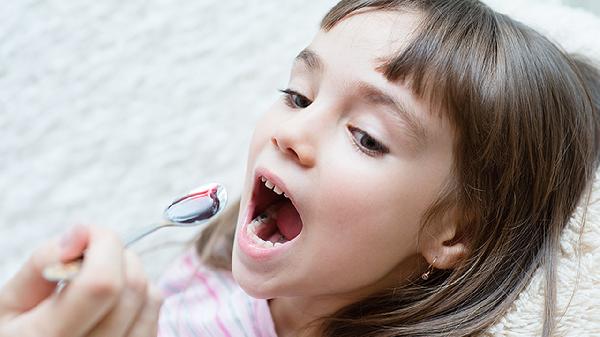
(366,37)
(353,52)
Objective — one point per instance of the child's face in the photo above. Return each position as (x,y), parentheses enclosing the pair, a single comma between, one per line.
(360,203)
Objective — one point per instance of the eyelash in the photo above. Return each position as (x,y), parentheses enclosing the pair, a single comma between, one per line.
(379,149)
(290,97)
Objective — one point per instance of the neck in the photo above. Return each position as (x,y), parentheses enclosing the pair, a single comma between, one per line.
(295,316)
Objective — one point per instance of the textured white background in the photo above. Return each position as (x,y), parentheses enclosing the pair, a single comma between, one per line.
(110,109)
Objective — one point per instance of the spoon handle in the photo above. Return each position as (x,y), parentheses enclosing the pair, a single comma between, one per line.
(64,272)
(148,230)
(191,210)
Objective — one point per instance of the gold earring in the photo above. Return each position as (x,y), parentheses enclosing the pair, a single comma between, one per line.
(426,274)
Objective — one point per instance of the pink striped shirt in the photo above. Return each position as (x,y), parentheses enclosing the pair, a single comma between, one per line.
(200,301)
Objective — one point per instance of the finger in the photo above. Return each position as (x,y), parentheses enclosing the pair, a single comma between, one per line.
(146,324)
(27,288)
(74,243)
(120,319)
(90,296)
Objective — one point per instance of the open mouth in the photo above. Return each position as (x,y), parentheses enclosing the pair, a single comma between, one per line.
(275,219)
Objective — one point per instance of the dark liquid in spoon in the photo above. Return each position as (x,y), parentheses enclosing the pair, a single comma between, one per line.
(194,207)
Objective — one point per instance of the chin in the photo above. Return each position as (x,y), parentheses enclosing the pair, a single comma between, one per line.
(249,282)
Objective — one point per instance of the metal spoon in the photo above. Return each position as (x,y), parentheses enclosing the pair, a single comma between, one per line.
(193,209)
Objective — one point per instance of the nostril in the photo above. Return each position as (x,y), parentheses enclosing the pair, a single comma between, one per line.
(299,152)
(291,152)
(285,149)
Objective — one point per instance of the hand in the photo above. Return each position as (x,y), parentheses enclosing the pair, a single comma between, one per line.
(109,297)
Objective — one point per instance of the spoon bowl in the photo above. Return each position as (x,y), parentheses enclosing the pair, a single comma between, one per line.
(200,204)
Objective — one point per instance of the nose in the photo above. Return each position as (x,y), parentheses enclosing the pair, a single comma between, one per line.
(295,141)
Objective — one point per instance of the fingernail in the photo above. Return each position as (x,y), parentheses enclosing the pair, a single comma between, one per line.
(68,237)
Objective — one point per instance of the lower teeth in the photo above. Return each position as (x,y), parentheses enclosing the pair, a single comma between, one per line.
(254,227)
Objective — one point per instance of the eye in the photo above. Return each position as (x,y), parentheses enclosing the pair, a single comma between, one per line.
(367,144)
(295,100)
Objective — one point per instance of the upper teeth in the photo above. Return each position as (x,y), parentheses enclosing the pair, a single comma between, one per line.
(272,186)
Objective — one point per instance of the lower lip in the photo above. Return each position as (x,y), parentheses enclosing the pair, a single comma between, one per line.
(255,252)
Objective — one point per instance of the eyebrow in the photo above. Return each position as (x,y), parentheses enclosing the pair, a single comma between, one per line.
(311,60)
(402,113)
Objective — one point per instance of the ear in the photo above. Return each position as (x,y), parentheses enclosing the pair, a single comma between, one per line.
(443,245)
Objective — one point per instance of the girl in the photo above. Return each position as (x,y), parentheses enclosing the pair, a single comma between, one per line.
(417,171)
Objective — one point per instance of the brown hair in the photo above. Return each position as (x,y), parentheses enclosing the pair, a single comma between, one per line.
(527,146)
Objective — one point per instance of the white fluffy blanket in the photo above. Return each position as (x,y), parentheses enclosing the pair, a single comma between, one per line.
(109,109)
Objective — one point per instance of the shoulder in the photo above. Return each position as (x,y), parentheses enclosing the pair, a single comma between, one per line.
(208,301)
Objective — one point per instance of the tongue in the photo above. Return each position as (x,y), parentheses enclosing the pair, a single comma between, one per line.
(288,220)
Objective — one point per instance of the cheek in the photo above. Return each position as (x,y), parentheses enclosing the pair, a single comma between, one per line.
(367,201)
(263,132)
(363,223)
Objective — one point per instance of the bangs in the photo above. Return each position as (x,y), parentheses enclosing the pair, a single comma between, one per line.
(448,59)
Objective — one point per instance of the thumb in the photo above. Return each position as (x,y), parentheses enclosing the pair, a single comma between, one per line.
(27,288)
